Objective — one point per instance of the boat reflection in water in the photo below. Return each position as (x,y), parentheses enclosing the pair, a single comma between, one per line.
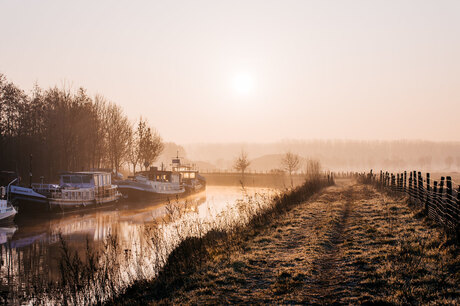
(30,250)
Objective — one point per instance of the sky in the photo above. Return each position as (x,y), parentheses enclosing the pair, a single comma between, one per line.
(249,71)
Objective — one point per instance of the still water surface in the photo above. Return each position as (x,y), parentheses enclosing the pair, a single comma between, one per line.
(30,248)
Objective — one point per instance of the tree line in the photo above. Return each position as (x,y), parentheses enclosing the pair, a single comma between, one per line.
(56,130)
(290,163)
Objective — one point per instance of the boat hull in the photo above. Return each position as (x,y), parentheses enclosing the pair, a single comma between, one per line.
(59,207)
(133,194)
(30,207)
(7,216)
(25,194)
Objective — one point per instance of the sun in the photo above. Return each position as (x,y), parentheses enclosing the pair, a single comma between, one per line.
(243,84)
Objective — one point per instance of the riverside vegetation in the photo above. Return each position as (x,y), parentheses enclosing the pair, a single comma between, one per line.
(169,249)
(69,131)
(350,244)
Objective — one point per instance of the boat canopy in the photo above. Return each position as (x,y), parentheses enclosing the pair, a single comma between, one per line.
(86,179)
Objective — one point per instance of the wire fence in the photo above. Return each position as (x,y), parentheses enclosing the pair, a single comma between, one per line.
(440,199)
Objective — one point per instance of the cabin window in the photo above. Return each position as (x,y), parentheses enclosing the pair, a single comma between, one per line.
(86,179)
(75,179)
(192,175)
(66,179)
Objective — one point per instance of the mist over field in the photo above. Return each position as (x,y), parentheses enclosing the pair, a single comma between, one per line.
(335,155)
(267,152)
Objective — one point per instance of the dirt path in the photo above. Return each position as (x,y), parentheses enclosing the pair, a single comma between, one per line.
(350,244)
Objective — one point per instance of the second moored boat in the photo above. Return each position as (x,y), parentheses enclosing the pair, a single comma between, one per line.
(76,191)
(151,185)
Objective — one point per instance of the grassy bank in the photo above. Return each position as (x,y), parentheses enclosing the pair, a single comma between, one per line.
(218,244)
(350,244)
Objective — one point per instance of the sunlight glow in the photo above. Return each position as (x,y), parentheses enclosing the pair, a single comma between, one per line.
(243,84)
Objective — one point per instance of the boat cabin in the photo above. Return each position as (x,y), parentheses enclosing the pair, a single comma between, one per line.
(85,179)
(156,175)
(186,172)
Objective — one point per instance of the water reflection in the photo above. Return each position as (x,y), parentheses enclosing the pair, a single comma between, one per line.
(30,249)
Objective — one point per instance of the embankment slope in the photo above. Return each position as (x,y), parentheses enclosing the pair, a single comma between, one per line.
(349,244)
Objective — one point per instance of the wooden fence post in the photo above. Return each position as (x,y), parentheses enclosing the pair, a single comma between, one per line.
(441,199)
(457,230)
(397,182)
(410,185)
(435,198)
(448,211)
(427,199)
(415,190)
(405,178)
(420,187)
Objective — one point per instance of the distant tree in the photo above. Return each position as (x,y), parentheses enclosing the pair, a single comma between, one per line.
(133,148)
(241,163)
(150,143)
(118,134)
(291,163)
(449,161)
(66,131)
(425,161)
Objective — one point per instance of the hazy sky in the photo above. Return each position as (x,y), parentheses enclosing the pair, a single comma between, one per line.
(217,71)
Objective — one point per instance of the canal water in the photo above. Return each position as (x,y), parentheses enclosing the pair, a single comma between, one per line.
(31,247)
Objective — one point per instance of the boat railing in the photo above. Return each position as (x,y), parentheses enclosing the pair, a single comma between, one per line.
(45,188)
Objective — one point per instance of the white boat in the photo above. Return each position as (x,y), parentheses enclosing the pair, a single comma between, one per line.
(191,180)
(7,211)
(151,185)
(77,190)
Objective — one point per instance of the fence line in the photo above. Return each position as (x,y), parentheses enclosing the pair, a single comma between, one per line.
(440,200)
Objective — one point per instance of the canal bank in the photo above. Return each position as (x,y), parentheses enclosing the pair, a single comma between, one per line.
(31,249)
(349,244)
(195,255)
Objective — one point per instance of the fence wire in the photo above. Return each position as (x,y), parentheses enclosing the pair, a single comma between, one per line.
(440,199)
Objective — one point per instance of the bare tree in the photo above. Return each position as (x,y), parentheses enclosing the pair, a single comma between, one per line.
(242,163)
(65,130)
(449,161)
(291,163)
(118,129)
(150,143)
(133,148)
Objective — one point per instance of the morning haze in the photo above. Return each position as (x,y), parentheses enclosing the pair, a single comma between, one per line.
(214,152)
(251,71)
